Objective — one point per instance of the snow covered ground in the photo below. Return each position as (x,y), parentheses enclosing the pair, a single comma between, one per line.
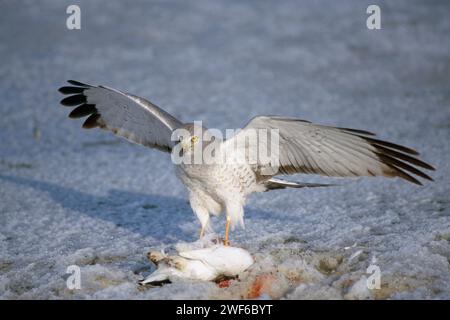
(70,196)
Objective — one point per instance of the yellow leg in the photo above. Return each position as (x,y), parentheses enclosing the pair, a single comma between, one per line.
(202,232)
(226,242)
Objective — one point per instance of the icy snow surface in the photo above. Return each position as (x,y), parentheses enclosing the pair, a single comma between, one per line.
(70,196)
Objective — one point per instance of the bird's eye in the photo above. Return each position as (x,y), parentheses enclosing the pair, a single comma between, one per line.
(194,139)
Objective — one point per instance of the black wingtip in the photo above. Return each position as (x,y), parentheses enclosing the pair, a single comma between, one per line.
(358,131)
(71,90)
(91,122)
(377,142)
(83,111)
(74,100)
(405,157)
(402,174)
(77,83)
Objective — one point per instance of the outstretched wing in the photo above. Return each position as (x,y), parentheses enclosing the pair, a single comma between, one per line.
(309,148)
(126,115)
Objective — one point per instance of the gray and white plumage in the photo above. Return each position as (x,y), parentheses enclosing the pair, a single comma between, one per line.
(304,147)
(126,115)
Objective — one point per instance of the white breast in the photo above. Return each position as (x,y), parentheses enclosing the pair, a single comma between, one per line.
(215,188)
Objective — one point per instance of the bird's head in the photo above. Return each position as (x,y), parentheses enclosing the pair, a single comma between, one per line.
(190,137)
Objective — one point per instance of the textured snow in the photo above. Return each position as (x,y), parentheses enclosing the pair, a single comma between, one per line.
(70,196)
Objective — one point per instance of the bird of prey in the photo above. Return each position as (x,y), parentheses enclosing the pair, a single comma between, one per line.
(302,147)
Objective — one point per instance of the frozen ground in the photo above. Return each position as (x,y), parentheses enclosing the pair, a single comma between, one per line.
(70,196)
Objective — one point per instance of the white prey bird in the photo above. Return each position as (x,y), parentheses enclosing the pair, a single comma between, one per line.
(209,262)
(302,147)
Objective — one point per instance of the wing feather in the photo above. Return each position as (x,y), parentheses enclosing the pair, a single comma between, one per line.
(310,148)
(126,115)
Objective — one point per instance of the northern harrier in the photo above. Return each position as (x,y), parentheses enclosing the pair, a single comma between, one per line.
(302,147)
